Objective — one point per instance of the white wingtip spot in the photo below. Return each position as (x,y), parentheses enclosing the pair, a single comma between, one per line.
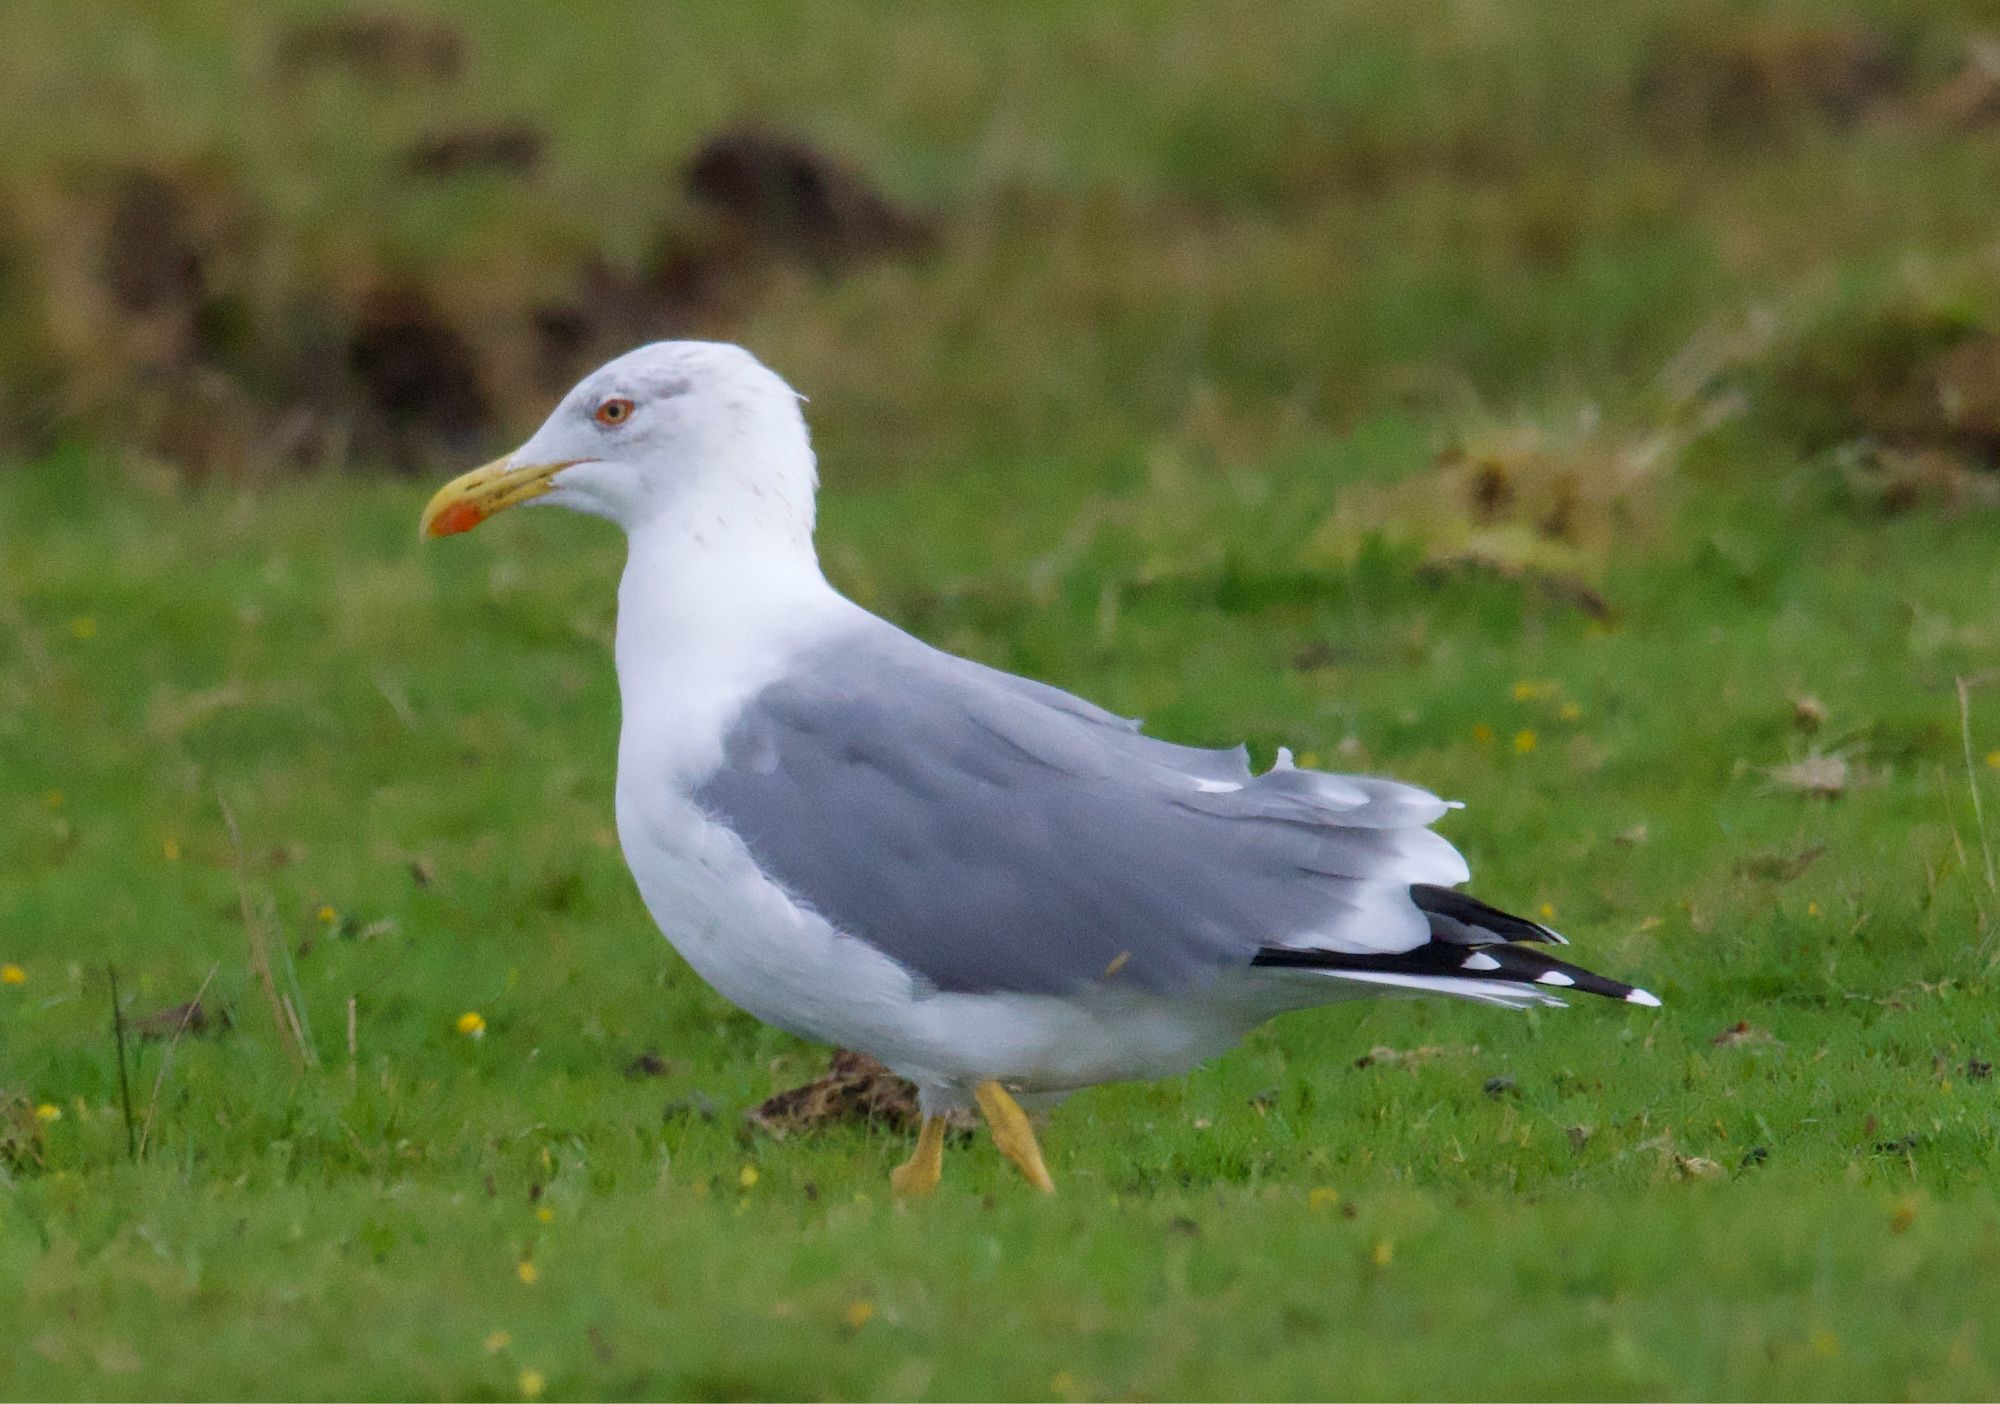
(1651,1001)
(1553,977)
(1216,787)
(1479,960)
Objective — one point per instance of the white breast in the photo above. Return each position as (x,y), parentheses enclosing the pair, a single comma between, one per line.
(699,634)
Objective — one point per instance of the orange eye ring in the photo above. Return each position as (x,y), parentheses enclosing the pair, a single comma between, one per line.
(613,413)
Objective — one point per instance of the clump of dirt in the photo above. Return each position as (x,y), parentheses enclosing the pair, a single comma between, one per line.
(651,1064)
(418,376)
(855,1088)
(1705,80)
(193,1019)
(787,195)
(171,250)
(379,45)
(153,255)
(768,201)
(501,148)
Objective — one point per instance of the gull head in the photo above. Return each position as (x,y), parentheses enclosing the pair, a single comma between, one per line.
(695,439)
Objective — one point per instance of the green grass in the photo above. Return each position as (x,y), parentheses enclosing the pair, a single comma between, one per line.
(1160,421)
(356,1228)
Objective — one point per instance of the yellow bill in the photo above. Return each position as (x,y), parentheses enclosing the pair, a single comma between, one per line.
(467,500)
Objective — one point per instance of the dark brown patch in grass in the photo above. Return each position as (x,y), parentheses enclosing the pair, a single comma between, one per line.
(380,46)
(651,1064)
(194,1017)
(1704,80)
(855,1088)
(151,255)
(504,148)
(789,196)
(417,373)
(1781,867)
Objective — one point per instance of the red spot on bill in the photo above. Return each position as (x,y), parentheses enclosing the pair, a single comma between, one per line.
(459,516)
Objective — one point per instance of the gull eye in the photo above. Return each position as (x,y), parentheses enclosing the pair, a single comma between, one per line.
(613,413)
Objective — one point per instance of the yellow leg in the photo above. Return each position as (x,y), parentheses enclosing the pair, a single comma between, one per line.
(925,1167)
(1012,1133)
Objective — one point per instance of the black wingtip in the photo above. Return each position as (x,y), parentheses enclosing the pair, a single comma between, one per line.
(1500,963)
(1461,917)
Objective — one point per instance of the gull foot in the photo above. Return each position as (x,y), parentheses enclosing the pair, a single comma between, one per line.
(1012,1133)
(925,1167)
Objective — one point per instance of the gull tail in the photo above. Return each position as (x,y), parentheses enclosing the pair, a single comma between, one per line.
(1475,952)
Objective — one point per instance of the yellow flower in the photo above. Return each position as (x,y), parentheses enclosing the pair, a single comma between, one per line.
(1993,759)
(1533,691)
(1524,742)
(1384,1254)
(48,1111)
(1306,760)
(1322,1197)
(83,626)
(327,915)
(498,1342)
(11,974)
(545,1215)
(1482,734)
(747,1176)
(1570,711)
(1548,912)
(860,1312)
(170,849)
(526,1272)
(532,1384)
(1812,909)
(471,1025)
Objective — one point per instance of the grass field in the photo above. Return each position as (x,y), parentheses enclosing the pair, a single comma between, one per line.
(1434,396)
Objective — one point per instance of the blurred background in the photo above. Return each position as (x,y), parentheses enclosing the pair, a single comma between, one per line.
(1591,412)
(250,240)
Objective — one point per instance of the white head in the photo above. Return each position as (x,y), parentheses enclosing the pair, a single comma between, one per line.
(694,440)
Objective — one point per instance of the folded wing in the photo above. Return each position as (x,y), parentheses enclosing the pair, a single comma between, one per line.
(994,834)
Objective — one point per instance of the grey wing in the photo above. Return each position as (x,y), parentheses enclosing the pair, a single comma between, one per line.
(995,834)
